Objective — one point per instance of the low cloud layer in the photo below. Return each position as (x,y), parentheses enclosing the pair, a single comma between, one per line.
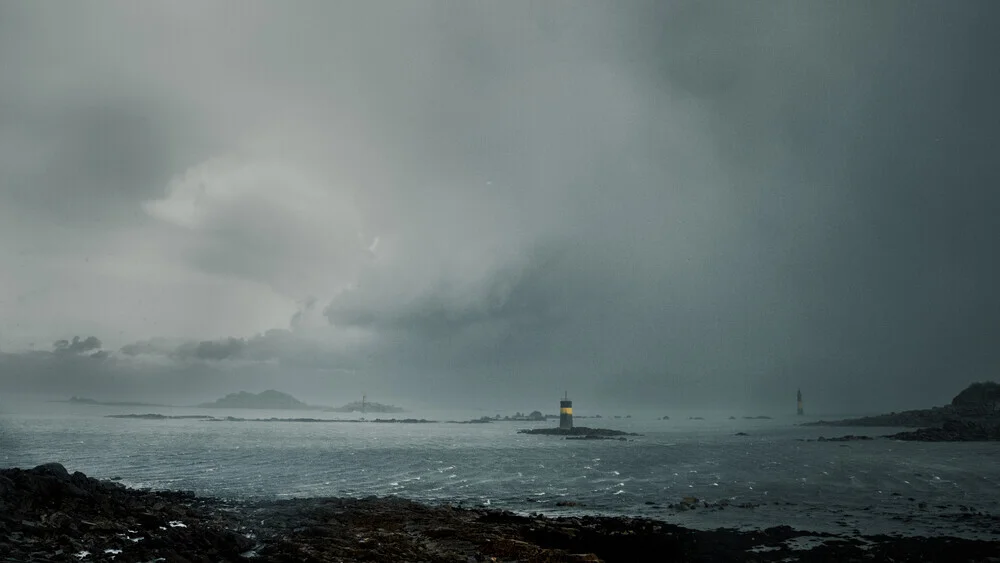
(645,204)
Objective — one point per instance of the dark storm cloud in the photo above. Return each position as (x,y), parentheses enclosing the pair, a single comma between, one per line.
(860,136)
(521,295)
(855,142)
(214,350)
(179,372)
(151,347)
(77,346)
(86,161)
(680,203)
(284,347)
(86,143)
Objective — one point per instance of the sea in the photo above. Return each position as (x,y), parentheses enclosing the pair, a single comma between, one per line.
(774,475)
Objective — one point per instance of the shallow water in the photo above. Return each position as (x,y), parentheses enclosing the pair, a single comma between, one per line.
(835,487)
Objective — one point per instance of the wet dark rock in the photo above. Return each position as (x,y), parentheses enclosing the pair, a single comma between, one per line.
(44,522)
(973,415)
(848,438)
(954,431)
(6,486)
(52,470)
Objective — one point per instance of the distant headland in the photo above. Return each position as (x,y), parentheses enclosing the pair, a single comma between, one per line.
(269,399)
(973,415)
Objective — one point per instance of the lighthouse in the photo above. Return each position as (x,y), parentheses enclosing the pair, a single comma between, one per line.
(565,413)
(800,403)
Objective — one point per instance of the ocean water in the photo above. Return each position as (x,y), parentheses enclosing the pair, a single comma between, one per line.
(880,486)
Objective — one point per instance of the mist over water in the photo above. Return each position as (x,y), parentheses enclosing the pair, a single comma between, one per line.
(866,486)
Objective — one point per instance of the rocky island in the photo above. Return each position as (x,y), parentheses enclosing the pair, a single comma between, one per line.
(270,399)
(533,416)
(50,515)
(972,415)
(276,400)
(580,433)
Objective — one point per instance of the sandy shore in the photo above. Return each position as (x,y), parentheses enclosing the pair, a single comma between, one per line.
(47,514)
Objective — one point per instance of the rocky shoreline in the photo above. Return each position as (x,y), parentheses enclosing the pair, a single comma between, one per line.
(907,419)
(972,416)
(47,514)
(953,431)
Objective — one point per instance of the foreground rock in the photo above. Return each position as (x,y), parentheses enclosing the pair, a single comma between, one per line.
(46,514)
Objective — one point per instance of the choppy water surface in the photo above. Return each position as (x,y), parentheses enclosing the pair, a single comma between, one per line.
(837,487)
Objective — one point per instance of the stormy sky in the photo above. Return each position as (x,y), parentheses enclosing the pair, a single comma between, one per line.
(648,204)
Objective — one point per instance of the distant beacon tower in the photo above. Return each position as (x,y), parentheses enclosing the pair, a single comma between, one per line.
(566,413)
(800,402)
